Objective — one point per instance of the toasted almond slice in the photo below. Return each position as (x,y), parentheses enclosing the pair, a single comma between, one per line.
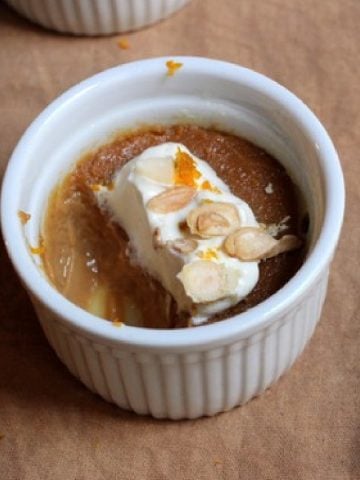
(252,244)
(160,170)
(183,245)
(205,281)
(285,244)
(172,199)
(249,243)
(213,219)
(274,229)
(212,224)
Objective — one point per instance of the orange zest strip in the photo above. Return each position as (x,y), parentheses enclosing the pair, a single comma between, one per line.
(208,254)
(206,185)
(123,43)
(117,323)
(172,67)
(24,217)
(96,187)
(186,172)
(38,250)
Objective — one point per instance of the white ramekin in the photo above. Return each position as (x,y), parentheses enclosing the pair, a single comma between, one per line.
(95,17)
(192,372)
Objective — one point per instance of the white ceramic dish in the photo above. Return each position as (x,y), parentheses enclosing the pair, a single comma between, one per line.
(96,17)
(192,372)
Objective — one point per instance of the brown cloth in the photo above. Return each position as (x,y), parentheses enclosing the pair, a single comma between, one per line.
(307,425)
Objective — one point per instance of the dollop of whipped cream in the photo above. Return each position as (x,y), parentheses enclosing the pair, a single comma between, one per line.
(177,214)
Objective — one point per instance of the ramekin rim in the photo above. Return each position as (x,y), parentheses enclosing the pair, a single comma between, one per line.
(238,326)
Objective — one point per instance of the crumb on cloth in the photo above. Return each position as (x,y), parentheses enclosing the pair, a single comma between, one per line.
(123,43)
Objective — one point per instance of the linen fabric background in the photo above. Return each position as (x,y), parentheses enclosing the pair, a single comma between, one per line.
(307,425)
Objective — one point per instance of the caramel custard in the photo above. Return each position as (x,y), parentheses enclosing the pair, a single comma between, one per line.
(89,258)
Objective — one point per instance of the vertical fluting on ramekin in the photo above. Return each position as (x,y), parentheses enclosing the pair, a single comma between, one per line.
(96,17)
(189,385)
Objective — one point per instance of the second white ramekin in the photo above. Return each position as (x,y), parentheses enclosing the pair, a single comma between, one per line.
(192,372)
(96,17)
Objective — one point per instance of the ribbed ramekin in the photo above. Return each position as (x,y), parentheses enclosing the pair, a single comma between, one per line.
(191,372)
(96,17)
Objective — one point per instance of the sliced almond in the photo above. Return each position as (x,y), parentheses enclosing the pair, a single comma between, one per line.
(212,224)
(159,170)
(172,199)
(252,244)
(285,244)
(213,219)
(249,243)
(183,245)
(206,281)
(274,229)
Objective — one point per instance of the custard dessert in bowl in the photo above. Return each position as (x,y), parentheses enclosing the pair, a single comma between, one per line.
(157,237)
(155,200)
